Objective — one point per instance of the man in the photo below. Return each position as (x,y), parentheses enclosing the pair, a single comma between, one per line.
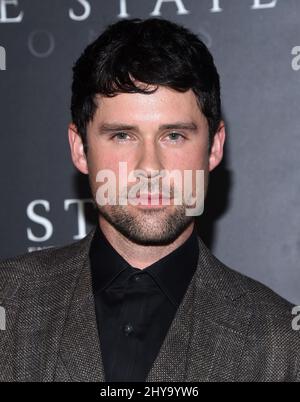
(141,298)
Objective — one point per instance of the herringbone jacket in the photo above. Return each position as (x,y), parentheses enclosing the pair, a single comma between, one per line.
(227,328)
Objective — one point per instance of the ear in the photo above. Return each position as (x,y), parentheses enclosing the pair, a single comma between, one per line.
(216,153)
(77,149)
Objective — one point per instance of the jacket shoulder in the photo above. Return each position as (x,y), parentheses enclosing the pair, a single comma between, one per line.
(257,294)
(231,284)
(47,261)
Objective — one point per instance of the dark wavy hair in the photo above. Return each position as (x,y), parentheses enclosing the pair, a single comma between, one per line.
(154,51)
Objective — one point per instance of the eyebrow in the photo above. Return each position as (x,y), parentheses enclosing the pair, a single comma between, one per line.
(111,127)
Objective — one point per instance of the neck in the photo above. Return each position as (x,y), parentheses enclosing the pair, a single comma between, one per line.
(137,255)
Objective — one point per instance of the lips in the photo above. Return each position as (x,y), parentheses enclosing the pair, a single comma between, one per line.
(152,197)
(148,199)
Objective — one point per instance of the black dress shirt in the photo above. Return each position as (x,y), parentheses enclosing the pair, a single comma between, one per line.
(135,307)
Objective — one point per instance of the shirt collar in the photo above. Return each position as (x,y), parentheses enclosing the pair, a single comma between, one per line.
(172,273)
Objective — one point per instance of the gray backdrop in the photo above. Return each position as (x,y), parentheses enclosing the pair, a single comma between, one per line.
(252,215)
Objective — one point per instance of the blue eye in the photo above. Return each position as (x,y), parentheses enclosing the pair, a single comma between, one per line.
(175,136)
(121,136)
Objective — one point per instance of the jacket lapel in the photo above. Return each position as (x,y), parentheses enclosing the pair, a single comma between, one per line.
(171,361)
(206,338)
(80,349)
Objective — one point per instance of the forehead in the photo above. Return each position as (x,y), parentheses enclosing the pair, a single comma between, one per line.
(163,104)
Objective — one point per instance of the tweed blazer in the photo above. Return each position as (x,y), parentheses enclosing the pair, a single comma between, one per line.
(228,327)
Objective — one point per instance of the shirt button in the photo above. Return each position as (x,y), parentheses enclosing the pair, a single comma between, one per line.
(137,278)
(127,329)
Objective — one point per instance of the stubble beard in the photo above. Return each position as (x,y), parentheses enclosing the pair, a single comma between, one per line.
(147,226)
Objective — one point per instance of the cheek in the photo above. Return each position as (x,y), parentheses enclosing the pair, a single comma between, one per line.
(101,156)
(105,159)
(196,158)
(97,163)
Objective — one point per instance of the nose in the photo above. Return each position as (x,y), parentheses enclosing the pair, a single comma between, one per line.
(149,160)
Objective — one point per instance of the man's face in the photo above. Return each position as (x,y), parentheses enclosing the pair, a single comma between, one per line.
(165,130)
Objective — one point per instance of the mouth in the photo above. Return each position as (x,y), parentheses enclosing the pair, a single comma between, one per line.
(151,200)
